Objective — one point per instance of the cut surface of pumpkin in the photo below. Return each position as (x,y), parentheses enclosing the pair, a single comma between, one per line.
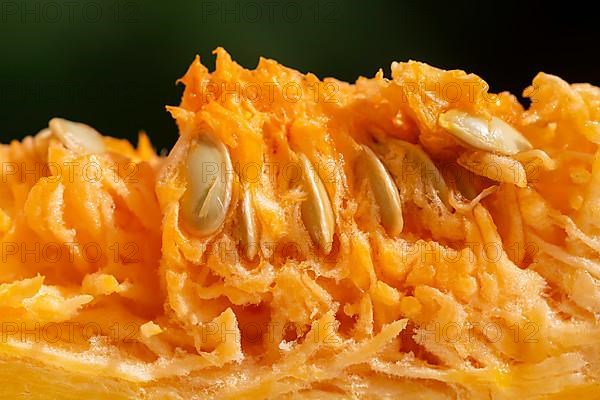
(367,242)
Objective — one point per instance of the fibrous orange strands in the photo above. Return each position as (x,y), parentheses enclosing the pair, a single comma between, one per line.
(489,287)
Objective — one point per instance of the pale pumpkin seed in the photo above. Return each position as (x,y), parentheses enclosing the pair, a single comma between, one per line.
(463,181)
(209,176)
(536,158)
(418,159)
(385,191)
(495,167)
(76,136)
(317,213)
(249,233)
(492,135)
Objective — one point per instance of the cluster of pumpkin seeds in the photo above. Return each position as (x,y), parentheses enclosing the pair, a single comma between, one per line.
(207,199)
(496,151)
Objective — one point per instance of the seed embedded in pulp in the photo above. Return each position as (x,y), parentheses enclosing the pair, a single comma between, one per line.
(209,174)
(493,135)
(417,158)
(536,159)
(317,213)
(493,166)
(76,136)
(385,192)
(249,232)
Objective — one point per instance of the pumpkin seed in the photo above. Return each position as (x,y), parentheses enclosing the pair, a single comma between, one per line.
(492,135)
(76,136)
(419,160)
(317,213)
(495,167)
(206,200)
(385,192)
(463,181)
(536,158)
(249,234)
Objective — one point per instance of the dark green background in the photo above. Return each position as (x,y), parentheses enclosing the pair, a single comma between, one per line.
(113,64)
